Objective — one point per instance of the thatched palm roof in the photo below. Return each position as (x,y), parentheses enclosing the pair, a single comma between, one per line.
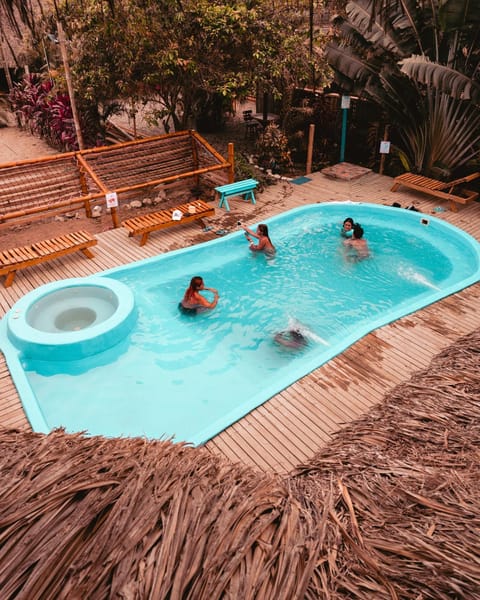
(390,509)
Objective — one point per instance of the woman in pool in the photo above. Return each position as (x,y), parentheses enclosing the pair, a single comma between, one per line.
(264,242)
(347,228)
(357,245)
(193,302)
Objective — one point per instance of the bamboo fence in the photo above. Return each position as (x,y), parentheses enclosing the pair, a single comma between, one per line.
(33,189)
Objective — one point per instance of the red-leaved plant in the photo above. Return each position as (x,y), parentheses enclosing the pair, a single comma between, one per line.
(44,111)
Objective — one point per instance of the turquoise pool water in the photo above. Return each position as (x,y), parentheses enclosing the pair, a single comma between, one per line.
(190,377)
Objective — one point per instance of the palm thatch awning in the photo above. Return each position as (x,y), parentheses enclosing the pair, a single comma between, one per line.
(390,509)
(35,188)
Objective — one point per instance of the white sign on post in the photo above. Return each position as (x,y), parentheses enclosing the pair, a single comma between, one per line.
(345,102)
(384,147)
(112,199)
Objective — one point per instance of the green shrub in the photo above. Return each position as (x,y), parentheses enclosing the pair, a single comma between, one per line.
(273,151)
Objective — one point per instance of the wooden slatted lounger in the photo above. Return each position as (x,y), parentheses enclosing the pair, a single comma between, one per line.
(439,189)
(15,259)
(144,224)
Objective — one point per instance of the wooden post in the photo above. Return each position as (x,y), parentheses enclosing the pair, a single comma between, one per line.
(382,156)
(265,110)
(71,93)
(231,160)
(311,135)
(133,114)
(115,219)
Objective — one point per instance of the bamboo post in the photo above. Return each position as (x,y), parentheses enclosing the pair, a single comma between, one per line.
(84,188)
(86,167)
(133,114)
(5,64)
(231,160)
(71,93)
(311,135)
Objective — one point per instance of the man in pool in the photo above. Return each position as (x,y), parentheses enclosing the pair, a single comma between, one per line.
(357,247)
(193,302)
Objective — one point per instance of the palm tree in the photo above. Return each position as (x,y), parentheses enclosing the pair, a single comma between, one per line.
(421,63)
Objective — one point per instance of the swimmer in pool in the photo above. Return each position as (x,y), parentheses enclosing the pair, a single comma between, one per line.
(193,302)
(264,242)
(291,338)
(357,247)
(347,228)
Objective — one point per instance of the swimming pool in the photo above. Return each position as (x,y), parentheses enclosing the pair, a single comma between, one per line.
(190,377)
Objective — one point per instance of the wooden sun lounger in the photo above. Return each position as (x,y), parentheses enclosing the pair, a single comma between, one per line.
(439,189)
(15,259)
(144,224)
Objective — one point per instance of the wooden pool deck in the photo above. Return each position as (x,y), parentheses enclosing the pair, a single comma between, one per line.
(289,428)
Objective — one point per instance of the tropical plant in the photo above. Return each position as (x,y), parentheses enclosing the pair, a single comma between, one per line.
(421,63)
(273,151)
(28,99)
(45,110)
(188,60)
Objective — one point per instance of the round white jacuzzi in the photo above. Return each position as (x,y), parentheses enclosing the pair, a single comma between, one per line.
(72,319)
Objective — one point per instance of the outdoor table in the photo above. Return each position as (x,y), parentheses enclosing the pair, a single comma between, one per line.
(271,118)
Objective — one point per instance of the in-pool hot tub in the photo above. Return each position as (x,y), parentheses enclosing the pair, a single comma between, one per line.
(71,319)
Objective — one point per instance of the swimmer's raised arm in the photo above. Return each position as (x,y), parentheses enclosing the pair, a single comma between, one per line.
(249,231)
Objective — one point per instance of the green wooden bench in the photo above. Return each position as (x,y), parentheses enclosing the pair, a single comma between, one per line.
(238,188)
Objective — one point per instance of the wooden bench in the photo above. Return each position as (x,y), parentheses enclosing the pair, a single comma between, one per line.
(15,259)
(144,224)
(238,188)
(438,189)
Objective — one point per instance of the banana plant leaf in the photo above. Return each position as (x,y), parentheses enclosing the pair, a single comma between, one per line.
(449,81)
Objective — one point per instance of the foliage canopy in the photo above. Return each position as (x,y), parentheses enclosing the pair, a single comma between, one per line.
(421,63)
(186,54)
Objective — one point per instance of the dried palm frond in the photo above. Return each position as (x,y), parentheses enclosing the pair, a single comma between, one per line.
(389,509)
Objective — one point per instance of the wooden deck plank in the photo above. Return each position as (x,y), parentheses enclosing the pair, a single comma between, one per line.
(254,430)
(251,450)
(294,424)
(313,409)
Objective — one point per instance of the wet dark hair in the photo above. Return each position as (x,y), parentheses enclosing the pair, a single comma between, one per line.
(349,220)
(195,284)
(358,231)
(296,335)
(263,229)
(292,338)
